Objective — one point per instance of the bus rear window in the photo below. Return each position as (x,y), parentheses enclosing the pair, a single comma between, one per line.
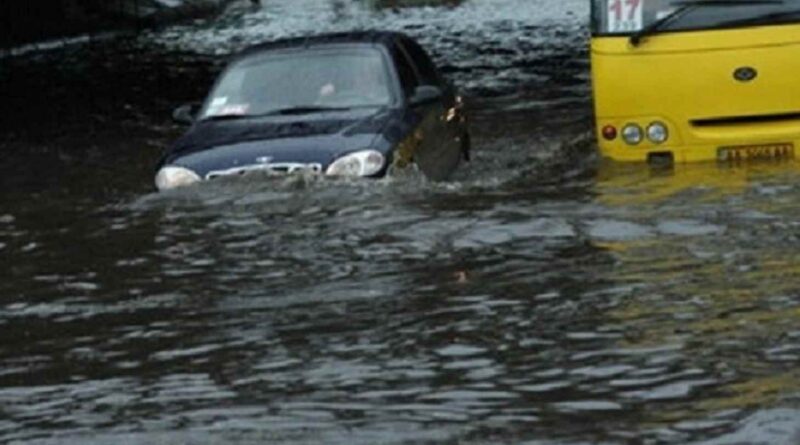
(628,16)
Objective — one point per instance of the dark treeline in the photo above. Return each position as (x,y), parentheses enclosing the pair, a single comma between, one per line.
(25,21)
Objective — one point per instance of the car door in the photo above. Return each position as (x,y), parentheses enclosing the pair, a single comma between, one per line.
(446,130)
(428,154)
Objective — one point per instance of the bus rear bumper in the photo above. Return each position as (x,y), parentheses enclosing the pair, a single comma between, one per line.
(740,152)
(777,151)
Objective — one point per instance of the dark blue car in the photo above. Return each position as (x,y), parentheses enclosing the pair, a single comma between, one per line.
(357,104)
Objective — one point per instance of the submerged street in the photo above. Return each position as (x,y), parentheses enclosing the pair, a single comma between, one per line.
(541,296)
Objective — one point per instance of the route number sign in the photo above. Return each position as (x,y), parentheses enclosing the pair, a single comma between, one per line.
(625,15)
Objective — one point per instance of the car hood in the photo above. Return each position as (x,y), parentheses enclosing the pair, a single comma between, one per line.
(313,138)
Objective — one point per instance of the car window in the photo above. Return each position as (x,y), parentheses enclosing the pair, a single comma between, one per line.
(425,66)
(408,78)
(322,78)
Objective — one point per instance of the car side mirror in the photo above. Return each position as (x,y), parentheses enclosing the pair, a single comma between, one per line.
(185,114)
(425,94)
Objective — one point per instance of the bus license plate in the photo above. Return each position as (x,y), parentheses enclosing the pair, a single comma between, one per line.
(756,152)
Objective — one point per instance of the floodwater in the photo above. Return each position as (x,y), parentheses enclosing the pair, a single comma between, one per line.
(540,297)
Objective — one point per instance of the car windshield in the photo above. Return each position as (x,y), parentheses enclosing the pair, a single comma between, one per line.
(302,81)
(629,16)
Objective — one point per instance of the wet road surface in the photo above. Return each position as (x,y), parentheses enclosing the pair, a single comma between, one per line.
(540,297)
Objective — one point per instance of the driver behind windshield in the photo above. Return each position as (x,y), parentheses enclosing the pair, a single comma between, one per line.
(364,83)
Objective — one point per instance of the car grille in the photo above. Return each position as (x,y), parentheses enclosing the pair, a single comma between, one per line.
(284,168)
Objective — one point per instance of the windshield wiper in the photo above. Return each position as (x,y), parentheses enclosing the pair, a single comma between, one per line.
(686,6)
(228,117)
(305,109)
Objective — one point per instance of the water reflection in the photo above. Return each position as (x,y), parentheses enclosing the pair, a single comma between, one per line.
(717,277)
(626,185)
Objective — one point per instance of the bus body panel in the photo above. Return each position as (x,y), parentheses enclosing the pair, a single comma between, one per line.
(686,80)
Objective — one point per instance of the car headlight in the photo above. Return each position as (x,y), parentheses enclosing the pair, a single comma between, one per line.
(360,163)
(657,133)
(171,176)
(632,134)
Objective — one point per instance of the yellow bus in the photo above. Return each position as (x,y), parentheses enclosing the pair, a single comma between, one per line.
(696,80)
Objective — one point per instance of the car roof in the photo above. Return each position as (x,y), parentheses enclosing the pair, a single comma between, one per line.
(383,38)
